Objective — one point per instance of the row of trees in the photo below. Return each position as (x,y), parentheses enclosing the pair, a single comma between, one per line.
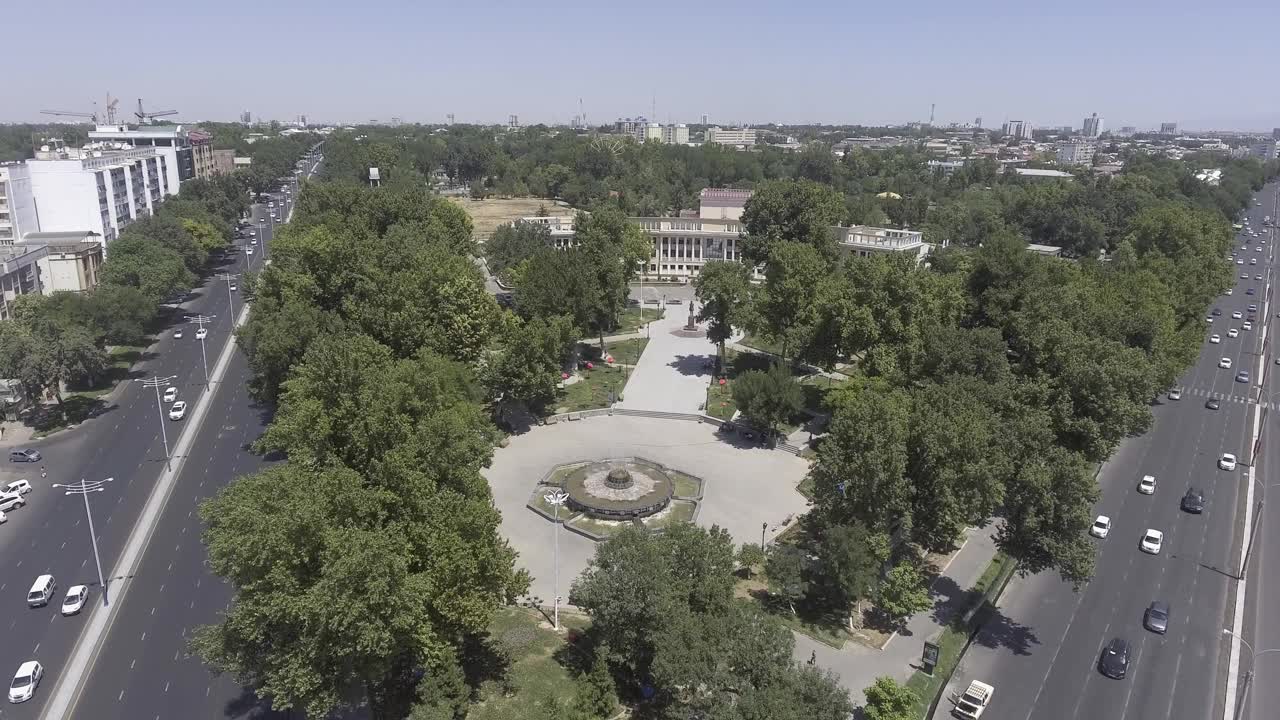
(60,339)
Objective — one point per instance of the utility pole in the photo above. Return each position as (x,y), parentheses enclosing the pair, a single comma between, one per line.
(556,499)
(83,488)
(155,382)
(204,358)
(228,277)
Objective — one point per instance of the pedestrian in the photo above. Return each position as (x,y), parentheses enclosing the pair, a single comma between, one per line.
(43,472)
(813,658)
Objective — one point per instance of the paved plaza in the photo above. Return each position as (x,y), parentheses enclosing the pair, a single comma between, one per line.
(674,371)
(745,486)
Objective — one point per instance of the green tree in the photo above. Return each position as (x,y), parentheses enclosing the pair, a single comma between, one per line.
(787,309)
(768,398)
(206,236)
(750,556)
(120,313)
(724,289)
(515,243)
(525,366)
(597,696)
(848,565)
(903,593)
(443,694)
(169,232)
(799,211)
(156,271)
(787,569)
(887,699)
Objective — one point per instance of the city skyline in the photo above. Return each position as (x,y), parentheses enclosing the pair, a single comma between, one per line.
(815,63)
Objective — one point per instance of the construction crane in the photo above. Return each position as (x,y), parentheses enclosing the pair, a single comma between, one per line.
(108,116)
(146,117)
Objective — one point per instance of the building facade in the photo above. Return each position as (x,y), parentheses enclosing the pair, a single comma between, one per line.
(1169,128)
(98,189)
(45,263)
(224,162)
(191,151)
(745,137)
(1017,129)
(1076,152)
(1265,150)
(17,204)
(1093,126)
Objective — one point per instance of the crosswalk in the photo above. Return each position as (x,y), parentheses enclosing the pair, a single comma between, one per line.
(1242,399)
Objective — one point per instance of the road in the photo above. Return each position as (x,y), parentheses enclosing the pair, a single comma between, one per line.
(50,534)
(1041,652)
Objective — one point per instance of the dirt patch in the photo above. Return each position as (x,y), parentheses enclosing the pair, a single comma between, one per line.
(487,215)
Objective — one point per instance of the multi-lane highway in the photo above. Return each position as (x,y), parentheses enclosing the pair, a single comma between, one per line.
(50,534)
(1042,652)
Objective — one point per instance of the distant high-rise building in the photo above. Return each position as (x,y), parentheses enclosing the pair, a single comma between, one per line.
(1077,152)
(1093,126)
(1265,150)
(1275,133)
(1017,129)
(675,134)
(977,122)
(1169,128)
(1128,130)
(246,118)
(706,119)
(731,136)
(1066,130)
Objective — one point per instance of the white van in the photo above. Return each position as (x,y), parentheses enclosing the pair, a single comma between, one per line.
(41,591)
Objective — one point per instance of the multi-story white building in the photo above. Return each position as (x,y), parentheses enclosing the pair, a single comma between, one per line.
(1093,126)
(189,152)
(99,188)
(1265,150)
(1076,152)
(1017,129)
(17,205)
(731,136)
(677,134)
(46,263)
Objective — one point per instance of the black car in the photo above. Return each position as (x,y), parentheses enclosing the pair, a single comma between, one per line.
(1212,403)
(1155,619)
(1193,501)
(1249,291)
(1216,312)
(26,455)
(1114,662)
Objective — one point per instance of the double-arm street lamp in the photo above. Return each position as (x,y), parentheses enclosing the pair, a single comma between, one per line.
(201,320)
(229,277)
(556,499)
(155,382)
(83,488)
(1248,676)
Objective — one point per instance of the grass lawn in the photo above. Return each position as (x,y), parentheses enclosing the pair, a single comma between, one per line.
(535,674)
(679,511)
(600,528)
(119,360)
(815,389)
(539,500)
(627,352)
(953,639)
(760,343)
(630,320)
(828,631)
(592,391)
(721,403)
(805,487)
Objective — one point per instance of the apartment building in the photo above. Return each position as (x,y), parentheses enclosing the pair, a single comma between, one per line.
(189,152)
(1017,129)
(1093,126)
(1076,152)
(643,130)
(17,205)
(48,262)
(745,137)
(224,162)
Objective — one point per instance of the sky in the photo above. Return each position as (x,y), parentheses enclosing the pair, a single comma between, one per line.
(1134,62)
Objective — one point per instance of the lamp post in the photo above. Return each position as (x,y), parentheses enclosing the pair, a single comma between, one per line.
(204,358)
(1248,676)
(228,277)
(556,499)
(155,382)
(83,488)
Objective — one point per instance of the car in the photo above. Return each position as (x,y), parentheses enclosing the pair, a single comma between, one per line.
(1114,662)
(1216,312)
(253,241)
(233,287)
(1193,501)
(1232,332)
(1244,276)
(273,204)
(1247,325)
(202,333)
(1101,527)
(1156,618)
(25,455)
(17,487)
(1242,376)
(25,681)
(170,394)
(253,233)
(1152,540)
(1175,394)
(1230,291)
(1250,291)
(1227,461)
(1258,278)
(1236,315)
(178,411)
(177,334)
(1215,339)
(1225,363)
(1257,248)
(74,601)
(1253,261)
(1147,485)
(1244,248)
(10,501)
(1212,403)
(1239,261)
(1209,319)
(1253,307)
(248,251)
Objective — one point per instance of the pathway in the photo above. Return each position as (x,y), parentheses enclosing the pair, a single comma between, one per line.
(673,373)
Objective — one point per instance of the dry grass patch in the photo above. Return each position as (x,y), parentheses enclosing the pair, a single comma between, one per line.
(488,214)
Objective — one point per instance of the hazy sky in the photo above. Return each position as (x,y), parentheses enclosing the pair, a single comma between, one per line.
(1134,62)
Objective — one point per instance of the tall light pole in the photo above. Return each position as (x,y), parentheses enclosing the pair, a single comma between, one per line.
(83,488)
(155,382)
(204,358)
(556,499)
(1248,676)
(228,277)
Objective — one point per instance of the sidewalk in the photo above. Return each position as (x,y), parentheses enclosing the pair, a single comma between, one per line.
(858,665)
(673,373)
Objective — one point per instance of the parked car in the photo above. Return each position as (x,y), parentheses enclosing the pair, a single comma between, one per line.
(17,487)
(25,455)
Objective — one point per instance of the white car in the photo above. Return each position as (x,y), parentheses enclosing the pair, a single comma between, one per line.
(1230,291)
(1152,541)
(3,518)
(1227,461)
(25,681)
(1253,261)
(178,411)
(1215,339)
(202,334)
(1257,277)
(1147,485)
(17,487)
(1175,394)
(9,501)
(1236,314)
(177,334)
(1101,527)
(1239,262)
(253,242)
(252,233)
(170,394)
(1247,325)
(75,599)
(248,251)
(1231,333)
(233,287)
(1225,363)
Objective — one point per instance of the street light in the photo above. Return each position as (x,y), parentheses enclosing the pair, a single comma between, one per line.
(556,499)
(83,488)
(230,298)
(201,320)
(155,382)
(1248,676)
